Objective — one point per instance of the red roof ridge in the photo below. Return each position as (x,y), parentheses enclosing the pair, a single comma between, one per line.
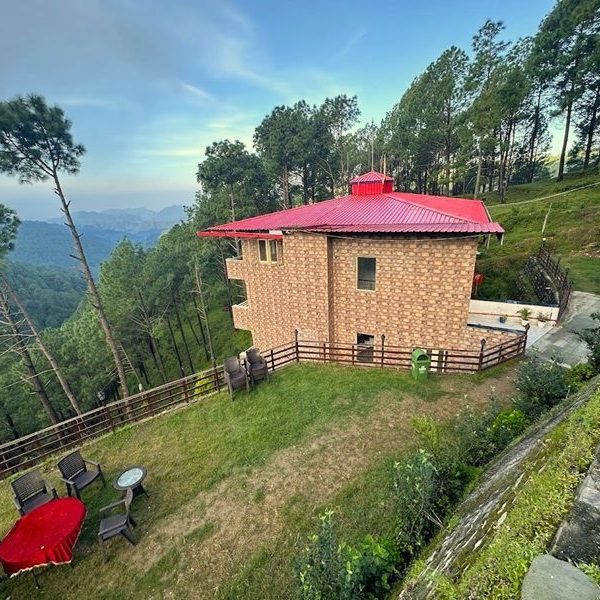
(371,176)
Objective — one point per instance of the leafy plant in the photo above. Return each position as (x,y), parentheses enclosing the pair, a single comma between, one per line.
(507,425)
(416,488)
(331,570)
(577,375)
(541,386)
(525,313)
(591,337)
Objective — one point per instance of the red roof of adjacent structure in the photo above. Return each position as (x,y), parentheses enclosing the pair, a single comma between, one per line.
(370,177)
(388,212)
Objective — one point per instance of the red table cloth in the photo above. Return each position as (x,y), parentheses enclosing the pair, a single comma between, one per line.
(44,536)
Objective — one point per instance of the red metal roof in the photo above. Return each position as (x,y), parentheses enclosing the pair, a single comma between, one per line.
(391,212)
(370,177)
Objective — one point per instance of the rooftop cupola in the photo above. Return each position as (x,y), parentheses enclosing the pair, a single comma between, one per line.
(371,183)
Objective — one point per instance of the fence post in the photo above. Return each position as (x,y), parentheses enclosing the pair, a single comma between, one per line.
(185,392)
(525,337)
(272,361)
(382,348)
(324,352)
(296,345)
(480,366)
(216,376)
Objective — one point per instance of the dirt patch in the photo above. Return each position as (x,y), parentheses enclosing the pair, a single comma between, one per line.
(246,510)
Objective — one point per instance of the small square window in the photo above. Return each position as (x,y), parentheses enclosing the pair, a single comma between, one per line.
(365,273)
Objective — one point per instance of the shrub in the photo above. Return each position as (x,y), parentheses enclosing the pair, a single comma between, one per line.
(591,337)
(333,571)
(541,386)
(507,425)
(417,495)
(577,375)
(473,434)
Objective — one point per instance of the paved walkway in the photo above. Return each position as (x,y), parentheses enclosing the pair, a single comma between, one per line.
(562,341)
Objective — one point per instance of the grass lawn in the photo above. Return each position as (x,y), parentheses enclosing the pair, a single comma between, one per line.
(235,487)
(572,230)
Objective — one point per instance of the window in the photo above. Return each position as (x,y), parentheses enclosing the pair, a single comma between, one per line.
(262,251)
(365,273)
(364,347)
(269,251)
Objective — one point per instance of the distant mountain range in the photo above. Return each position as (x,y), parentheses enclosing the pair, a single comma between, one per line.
(49,243)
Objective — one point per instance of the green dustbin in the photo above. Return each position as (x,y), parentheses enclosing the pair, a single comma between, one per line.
(421,362)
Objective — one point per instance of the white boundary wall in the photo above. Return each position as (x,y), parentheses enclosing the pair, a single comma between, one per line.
(510,309)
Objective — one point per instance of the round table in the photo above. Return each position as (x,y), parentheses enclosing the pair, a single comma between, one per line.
(44,536)
(132,477)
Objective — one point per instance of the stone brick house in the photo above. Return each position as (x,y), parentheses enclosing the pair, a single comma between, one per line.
(350,269)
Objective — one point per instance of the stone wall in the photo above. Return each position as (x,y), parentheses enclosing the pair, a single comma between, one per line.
(486,508)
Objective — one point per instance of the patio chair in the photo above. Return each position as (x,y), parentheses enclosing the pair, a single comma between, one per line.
(31,491)
(120,523)
(236,377)
(75,473)
(256,366)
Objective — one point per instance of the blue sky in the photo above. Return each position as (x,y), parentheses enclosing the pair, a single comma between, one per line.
(149,84)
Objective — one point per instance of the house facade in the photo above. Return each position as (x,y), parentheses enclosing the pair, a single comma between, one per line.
(354,268)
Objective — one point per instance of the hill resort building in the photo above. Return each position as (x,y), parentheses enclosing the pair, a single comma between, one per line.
(351,269)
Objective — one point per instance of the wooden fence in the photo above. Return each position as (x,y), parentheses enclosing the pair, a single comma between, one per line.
(20,454)
(443,360)
(559,276)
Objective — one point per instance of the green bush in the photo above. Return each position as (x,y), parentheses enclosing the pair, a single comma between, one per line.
(507,425)
(541,385)
(416,485)
(333,571)
(576,376)
(591,337)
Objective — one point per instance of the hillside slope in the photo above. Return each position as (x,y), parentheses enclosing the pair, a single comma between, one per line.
(572,231)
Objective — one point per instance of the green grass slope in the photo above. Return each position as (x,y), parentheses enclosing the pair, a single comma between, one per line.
(572,231)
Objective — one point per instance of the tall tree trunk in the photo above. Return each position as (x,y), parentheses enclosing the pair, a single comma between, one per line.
(64,384)
(238,250)
(492,168)
(203,313)
(286,187)
(153,343)
(175,348)
(185,344)
(478,176)
(95,300)
(204,343)
(591,128)
(156,358)
(226,281)
(563,152)
(20,347)
(534,134)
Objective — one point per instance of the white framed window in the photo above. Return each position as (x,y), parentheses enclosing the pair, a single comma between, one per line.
(366,269)
(269,251)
